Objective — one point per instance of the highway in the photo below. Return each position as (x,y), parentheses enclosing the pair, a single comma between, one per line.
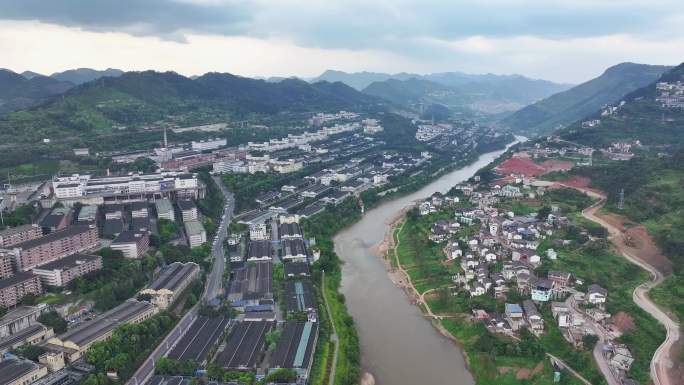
(212,288)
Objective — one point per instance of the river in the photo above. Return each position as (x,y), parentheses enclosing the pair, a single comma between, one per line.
(398,345)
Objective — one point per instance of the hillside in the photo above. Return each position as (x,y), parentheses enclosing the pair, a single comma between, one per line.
(137,100)
(467,95)
(84,75)
(640,118)
(566,107)
(18,92)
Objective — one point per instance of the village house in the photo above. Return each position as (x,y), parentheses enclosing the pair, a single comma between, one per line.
(596,295)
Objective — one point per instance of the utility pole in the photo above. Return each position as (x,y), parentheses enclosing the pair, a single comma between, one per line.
(621,202)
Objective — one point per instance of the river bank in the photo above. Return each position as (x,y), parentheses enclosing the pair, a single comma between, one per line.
(393,333)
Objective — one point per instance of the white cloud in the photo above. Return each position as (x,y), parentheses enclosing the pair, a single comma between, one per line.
(47,48)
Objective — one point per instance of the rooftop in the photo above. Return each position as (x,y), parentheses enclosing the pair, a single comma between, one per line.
(129,236)
(259,249)
(89,331)
(163,206)
(69,262)
(11,370)
(186,204)
(295,346)
(244,345)
(15,279)
(54,236)
(14,230)
(172,276)
(193,228)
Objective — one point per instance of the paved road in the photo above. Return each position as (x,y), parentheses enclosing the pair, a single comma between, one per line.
(661,361)
(211,289)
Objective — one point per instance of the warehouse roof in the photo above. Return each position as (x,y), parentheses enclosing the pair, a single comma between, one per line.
(299,295)
(8,342)
(290,230)
(293,248)
(172,276)
(199,339)
(244,345)
(295,346)
(259,249)
(11,370)
(89,331)
(296,269)
(255,278)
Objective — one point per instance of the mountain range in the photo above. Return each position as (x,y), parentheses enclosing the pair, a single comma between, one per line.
(28,89)
(140,99)
(466,95)
(566,107)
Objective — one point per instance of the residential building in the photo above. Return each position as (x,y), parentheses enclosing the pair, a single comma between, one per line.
(14,235)
(195,232)
(165,209)
(111,228)
(133,244)
(514,315)
(188,210)
(596,295)
(15,288)
(39,251)
(172,281)
(6,266)
(62,271)
(542,290)
(533,317)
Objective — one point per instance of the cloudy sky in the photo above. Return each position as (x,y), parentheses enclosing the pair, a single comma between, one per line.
(561,40)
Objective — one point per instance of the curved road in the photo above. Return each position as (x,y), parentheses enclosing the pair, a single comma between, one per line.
(661,361)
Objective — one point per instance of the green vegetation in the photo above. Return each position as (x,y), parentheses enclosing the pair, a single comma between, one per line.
(53,320)
(576,103)
(168,230)
(128,347)
(119,279)
(323,227)
(22,215)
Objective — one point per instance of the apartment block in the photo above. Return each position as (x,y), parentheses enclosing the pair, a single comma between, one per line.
(62,271)
(133,244)
(39,251)
(14,235)
(15,288)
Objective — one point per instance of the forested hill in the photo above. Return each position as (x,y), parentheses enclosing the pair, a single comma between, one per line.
(640,118)
(139,99)
(17,91)
(564,108)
